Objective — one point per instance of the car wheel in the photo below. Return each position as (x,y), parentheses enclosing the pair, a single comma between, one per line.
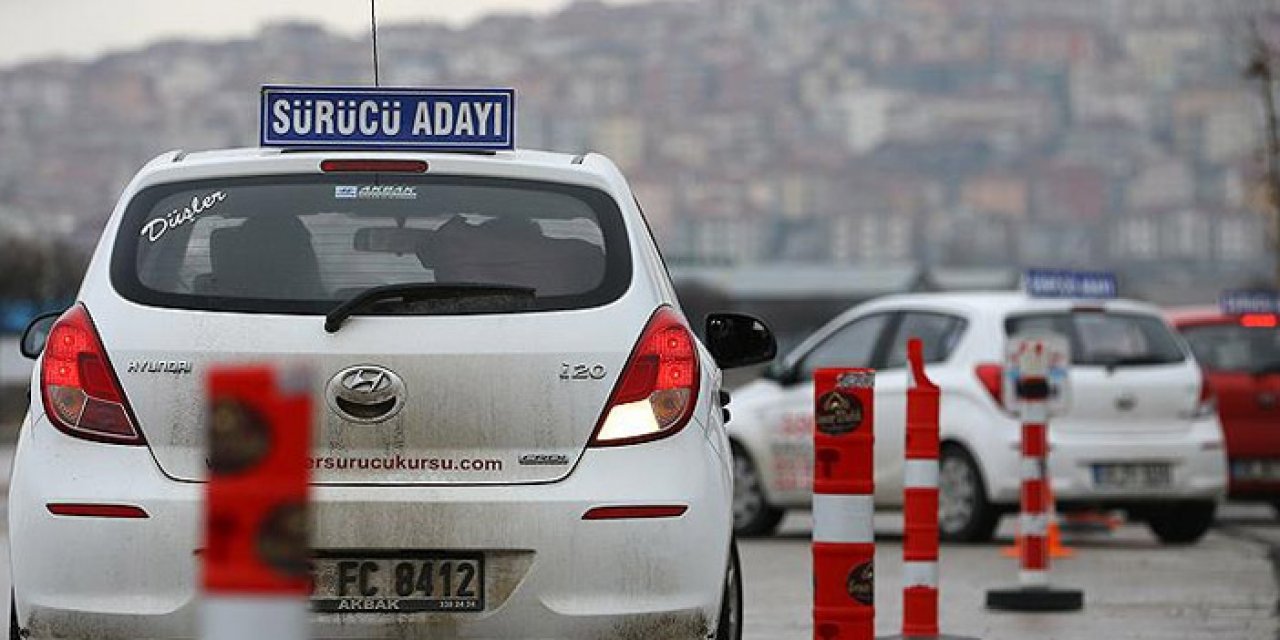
(1183,523)
(964,515)
(752,513)
(730,627)
(15,632)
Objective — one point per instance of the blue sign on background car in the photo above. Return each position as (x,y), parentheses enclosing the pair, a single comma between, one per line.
(1241,302)
(1061,283)
(371,117)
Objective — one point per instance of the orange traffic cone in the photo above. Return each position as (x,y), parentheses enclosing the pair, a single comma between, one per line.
(1056,548)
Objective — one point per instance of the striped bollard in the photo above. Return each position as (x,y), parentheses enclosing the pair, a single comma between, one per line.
(920,504)
(1029,362)
(843,484)
(255,562)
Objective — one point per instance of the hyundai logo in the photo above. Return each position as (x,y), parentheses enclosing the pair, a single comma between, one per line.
(367,380)
(366,394)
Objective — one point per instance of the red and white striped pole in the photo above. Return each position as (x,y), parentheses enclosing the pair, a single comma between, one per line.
(920,503)
(843,484)
(255,577)
(1030,362)
(1033,522)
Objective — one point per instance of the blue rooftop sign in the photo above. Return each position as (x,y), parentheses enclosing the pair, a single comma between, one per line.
(1242,302)
(1062,283)
(387,118)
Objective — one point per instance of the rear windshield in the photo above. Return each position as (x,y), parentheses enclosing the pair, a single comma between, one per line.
(303,244)
(1231,347)
(1106,338)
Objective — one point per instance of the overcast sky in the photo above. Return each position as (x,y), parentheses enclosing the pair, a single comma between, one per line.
(31,29)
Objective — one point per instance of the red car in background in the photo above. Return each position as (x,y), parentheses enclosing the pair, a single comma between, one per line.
(1240,355)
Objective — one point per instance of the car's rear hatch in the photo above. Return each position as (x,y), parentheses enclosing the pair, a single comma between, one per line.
(1241,358)
(1128,372)
(500,384)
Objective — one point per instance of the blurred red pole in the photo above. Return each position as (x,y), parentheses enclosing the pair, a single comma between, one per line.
(255,564)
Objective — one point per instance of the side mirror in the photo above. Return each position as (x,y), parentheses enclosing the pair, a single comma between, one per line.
(738,340)
(37,333)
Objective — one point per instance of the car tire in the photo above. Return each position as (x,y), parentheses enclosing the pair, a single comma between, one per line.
(752,513)
(1183,523)
(730,626)
(964,514)
(15,632)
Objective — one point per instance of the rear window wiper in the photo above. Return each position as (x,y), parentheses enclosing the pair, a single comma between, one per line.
(1135,361)
(416,291)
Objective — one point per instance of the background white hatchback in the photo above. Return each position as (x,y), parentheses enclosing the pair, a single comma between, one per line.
(552,430)
(1140,432)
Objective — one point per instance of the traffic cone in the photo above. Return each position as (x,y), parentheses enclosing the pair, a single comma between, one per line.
(1053,537)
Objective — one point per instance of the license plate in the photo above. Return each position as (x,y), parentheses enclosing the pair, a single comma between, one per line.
(1133,476)
(399,583)
(1255,470)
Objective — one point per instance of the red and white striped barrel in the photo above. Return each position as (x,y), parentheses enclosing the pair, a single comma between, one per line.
(920,502)
(843,485)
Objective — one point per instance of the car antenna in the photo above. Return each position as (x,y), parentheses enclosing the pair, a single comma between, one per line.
(373,30)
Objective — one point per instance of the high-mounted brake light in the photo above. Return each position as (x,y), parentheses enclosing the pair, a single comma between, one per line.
(373,166)
(1258,321)
(1088,308)
(81,394)
(992,378)
(655,395)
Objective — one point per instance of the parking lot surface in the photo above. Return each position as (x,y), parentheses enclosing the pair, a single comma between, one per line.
(1222,588)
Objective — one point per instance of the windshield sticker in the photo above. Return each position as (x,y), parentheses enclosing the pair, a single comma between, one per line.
(156,229)
(375,192)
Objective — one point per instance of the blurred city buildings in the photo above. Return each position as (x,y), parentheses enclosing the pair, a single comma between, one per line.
(947,137)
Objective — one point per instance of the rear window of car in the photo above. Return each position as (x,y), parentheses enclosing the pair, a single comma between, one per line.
(303,244)
(1231,347)
(1107,338)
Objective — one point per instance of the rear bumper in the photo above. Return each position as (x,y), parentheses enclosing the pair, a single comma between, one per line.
(1252,487)
(549,573)
(1196,455)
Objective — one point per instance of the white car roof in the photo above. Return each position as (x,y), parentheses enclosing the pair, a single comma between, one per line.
(589,168)
(992,303)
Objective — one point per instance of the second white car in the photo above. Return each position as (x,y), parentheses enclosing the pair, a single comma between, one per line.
(1140,432)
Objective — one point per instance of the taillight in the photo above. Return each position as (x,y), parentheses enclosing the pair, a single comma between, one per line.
(81,394)
(1207,403)
(658,388)
(992,378)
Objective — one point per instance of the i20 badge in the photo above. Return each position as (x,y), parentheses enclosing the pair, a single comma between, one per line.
(366,394)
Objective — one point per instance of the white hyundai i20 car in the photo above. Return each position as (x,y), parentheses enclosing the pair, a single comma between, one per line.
(549,417)
(1140,431)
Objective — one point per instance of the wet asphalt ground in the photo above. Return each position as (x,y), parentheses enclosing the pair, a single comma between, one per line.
(1223,588)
